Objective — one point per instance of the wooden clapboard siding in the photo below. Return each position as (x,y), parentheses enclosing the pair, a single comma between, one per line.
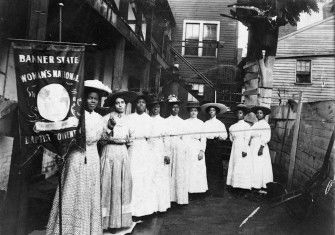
(318,40)
(206,11)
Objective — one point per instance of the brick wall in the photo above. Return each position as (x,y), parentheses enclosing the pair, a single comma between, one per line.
(316,126)
(6,145)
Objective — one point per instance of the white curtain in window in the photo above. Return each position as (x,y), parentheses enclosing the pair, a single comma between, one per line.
(210,32)
(192,31)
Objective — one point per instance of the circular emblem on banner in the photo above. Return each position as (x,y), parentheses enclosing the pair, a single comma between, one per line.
(53,102)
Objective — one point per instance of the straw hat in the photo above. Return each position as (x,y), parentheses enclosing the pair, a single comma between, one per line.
(220,108)
(128,96)
(265,110)
(102,89)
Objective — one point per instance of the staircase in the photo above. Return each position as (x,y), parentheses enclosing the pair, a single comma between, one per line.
(187,86)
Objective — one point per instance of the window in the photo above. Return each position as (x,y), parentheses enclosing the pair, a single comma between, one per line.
(303,71)
(192,39)
(200,38)
(209,40)
(199,88)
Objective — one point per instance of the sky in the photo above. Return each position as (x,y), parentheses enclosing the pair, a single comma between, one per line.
(305,20)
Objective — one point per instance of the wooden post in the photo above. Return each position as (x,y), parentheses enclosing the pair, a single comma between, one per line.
(38,19)
(294,143)
(284,136)
(119,63)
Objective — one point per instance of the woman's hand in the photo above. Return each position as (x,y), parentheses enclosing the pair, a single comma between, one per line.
(111,123)
(201,155)
(166,160)
(129,141)
(260,151)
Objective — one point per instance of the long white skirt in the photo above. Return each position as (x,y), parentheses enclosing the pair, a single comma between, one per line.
(262,167)
(197,176)
(179,171)
(142,170)
(240,168)
(161,176)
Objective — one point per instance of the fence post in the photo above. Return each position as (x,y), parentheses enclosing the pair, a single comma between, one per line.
(294,143)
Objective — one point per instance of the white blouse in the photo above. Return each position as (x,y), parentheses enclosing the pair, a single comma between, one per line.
(240,134)
(140,126)
(261,131)
(121,128)
(94,127)
(195,130)
(176,126)
(215,128)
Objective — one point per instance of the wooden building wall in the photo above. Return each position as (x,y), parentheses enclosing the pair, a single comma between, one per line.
(206,11)
(317,40)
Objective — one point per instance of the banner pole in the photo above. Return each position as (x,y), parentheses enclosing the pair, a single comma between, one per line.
(61,160)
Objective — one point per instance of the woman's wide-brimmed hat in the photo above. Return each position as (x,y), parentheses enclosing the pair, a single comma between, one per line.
(173,99)
(265,110)
(242,107)
(221,108)
(102,89)
(191,105)
(128,96)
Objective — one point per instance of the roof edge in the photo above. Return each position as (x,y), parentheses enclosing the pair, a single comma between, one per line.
(306,27)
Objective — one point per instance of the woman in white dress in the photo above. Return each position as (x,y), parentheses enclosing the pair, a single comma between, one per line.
(260,136)
(196,146)
(215,133)
(81,204)
(177,152)
(116,181)
(240,163)
(142,164)
(158,148)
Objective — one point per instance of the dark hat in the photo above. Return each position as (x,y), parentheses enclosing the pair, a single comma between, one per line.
(142,95)
(191,105)
(155,100)
(221,108)
(242,107)
(265,110)
(128,97)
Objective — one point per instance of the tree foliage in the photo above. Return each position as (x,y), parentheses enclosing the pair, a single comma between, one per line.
(278,12)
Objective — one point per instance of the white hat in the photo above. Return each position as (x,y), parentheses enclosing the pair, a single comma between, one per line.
(173,99)
(96,84)
(221,107)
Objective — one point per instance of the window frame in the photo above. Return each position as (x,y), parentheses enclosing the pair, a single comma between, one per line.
(310,72)
(201,32)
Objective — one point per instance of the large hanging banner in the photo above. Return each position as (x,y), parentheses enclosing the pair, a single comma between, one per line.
(50,88)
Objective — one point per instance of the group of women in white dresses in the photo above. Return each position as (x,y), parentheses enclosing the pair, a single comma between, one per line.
(250,163)
(147,161)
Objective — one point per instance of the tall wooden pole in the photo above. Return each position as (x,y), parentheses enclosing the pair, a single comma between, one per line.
(294,143)
(60,168)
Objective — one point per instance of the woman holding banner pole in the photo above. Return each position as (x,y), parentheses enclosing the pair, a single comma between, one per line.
(81,204)
(116,182)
